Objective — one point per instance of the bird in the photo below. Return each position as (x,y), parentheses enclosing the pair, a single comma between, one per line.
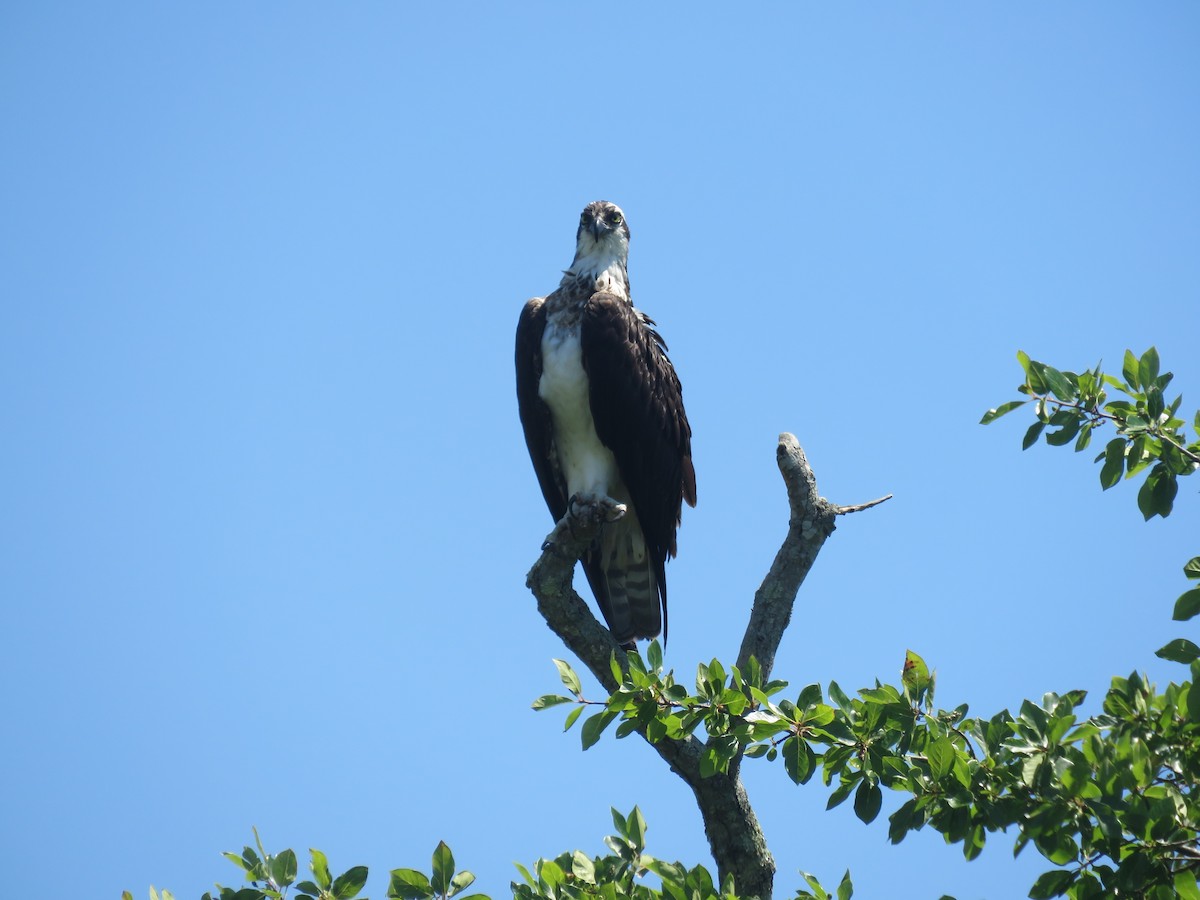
(602,411)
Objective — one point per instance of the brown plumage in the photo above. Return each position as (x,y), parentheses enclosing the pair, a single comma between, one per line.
(602,410)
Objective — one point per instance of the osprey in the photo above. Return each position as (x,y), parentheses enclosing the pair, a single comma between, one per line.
(603,415)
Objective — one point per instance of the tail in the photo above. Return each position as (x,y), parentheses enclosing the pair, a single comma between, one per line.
(622,574)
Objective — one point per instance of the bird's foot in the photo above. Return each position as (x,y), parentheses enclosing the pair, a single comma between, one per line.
(594,508)
(584,510)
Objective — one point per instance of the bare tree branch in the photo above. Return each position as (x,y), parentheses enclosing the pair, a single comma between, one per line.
(733,832)
(811,522)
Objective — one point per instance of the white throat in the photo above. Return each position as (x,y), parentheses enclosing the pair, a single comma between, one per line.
(603,263)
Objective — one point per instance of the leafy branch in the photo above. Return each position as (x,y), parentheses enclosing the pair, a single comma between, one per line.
(1102,795)
(1149,434)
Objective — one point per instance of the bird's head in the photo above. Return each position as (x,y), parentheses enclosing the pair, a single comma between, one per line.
(602,231)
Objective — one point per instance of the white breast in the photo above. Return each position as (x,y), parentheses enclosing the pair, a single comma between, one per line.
(588,465)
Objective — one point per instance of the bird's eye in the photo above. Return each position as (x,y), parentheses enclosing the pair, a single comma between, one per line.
(583,218)
(614,219)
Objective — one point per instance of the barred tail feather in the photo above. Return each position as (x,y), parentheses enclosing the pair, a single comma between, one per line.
(629,587)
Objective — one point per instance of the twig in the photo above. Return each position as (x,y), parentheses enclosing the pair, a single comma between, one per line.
(859,507)
(1096,414)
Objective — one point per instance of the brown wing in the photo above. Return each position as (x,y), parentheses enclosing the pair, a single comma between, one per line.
(637,407)
(535,414)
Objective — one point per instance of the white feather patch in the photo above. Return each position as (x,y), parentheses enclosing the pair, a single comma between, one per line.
(588,465)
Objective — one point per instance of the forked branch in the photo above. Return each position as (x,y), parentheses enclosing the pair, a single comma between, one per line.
(734,835)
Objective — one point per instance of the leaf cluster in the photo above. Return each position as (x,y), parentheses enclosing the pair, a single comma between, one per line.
(650,700)
(1110,796)
(1149,437)
(618,874)
(270,876)
(442,884)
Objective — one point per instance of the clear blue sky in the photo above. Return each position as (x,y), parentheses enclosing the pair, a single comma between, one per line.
(266,506)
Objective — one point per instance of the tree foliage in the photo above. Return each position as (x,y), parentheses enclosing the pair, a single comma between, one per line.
(1150,438)
(1110,800)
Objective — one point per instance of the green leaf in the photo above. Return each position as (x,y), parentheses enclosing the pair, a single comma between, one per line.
(867,800)
(349,883)
(1185,885)
(1003,409)
(1193,695)
(902,821)
(820,892)
(1085,437)
(1033,377)
(572,716)
(1191,569)
(843,790)
(460,881)
(407,884)
(637,828)
(443,868)
(283,868)
(798,759)
(569,678)
(838,696)
(1165,490)
(654,655)
(1129,370)
(582,867)
(615,668)
(1187,606)
(1064,435)
(619,822)
(1051,884)
(1157,494)
(1114,461)
(1145,498)
(914,676)
(941,757)
(1031,436)
(258,842)
(594,727)
(1148,368)
(809,696)
(1058,383)
(547,700)
(845,888)
(1179,650)
(1154,402)
(320,869)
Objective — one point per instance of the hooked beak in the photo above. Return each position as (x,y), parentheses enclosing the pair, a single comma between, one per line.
(596,227)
